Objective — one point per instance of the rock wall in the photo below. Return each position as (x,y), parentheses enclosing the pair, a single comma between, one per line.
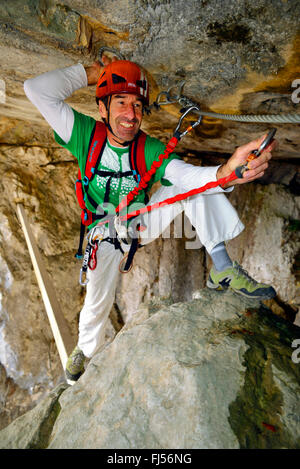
(212,373)
(171,267)
(240,58)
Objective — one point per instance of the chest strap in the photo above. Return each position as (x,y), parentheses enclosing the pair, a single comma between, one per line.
(110,175)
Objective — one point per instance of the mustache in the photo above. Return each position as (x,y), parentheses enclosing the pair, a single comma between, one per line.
(129,121)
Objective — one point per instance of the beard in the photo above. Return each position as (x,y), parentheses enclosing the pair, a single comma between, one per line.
(125,129)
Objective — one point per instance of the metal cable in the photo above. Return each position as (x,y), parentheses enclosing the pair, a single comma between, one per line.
(184,101)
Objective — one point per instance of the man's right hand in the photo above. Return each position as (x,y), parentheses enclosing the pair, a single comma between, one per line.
(94,71)
(256,167)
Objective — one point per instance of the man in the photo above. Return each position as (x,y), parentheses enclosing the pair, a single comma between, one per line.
(122,94)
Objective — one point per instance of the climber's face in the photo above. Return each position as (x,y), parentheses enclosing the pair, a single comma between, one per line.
(124,114)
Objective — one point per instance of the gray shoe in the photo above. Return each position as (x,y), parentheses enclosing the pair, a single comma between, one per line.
(75,364)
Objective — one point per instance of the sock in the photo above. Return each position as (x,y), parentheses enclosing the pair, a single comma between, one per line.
(220,257)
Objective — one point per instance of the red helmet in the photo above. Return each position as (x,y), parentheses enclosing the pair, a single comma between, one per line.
(123,76)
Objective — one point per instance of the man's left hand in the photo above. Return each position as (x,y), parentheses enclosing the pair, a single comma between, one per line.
(94,71)
(256,167)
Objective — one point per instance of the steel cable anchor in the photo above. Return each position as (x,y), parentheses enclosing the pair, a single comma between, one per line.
(170,99)
(177,133)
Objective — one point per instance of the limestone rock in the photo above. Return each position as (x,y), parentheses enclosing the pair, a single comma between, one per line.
(216,372)
(268,248)
(237,58)
(32,430)
(270,243)
(240,58)
(182,377)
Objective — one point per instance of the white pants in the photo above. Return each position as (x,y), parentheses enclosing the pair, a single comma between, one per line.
(214,219)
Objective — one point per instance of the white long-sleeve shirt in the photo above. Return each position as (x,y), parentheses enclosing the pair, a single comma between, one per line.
(48,93)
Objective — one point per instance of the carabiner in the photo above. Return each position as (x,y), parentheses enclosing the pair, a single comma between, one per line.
(175,98)
(177,132)
(157,103)
(85,262)
(120,228)
(82,271)
(269,138)
(112,51)
(92,238)
(93,257)
(239,171)
(169,99)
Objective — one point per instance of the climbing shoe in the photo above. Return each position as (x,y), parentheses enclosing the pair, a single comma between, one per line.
(238,280)
(75,364)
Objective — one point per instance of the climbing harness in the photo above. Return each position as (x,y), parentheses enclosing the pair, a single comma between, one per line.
(138,169)
(96,148)
(172,97)
(117,235)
